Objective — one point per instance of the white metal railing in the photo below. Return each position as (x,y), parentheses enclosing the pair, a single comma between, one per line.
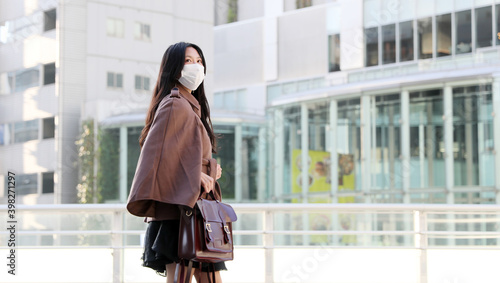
(272,227)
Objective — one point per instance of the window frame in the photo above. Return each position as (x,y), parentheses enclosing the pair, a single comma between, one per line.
(44,180)
(116,33)
(142,36)
(115,79)
(478,28)
(333,49)
(46,124)
(383,41)
(456,32)
(399,39)
(45,71)
(142,81)
(436,35)
(420,43)
(377,44)
(46,17)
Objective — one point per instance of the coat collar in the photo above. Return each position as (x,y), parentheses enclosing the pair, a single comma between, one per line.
(191,99)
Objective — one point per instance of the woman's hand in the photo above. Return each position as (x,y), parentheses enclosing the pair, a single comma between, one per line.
(219,171)
(207,182)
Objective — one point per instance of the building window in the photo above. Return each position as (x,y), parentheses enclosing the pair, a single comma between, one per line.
(291,142)
(318,152)
(25,184)
(6,134)
(497,7)
(443,37)
(3,129)
(49,20)
(483,27)
(25,131)
(232,99)
(25,79)
(115,80)
(473,139)
(133,152)
(371,41)
(426,139)
(6,83)
(49,73)
(141,83)
(389,44)
(249,160)
(109,160)
(225,155)
(225,11)
(303,3)
(142,31)
(349,148)
(406,41)
(47,182)
(114,27)
(232,11)
(334,52)
(425,38)
(48,128)
(463,31)
(18,81)
(386,146)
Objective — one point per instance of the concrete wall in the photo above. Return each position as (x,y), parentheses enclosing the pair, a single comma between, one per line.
(302,47)
(250,9)
(239,54)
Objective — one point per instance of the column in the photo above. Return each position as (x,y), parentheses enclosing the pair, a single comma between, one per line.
(304,132)
(334,168)
(262,184)
(391,148)
(405,156)
(123,164)
(238,190)
(334,162)
(278,153)
(496,132)
(405,144)
(365,146)
(448,153)
(366,131)
(272,9)
(448,142)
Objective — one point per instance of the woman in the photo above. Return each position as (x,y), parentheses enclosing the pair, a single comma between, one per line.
(177,143)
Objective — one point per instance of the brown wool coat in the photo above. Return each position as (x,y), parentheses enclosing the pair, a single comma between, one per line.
(175,152)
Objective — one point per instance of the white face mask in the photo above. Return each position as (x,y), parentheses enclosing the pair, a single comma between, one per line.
(192,75)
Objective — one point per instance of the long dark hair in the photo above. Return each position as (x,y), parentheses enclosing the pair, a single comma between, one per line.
(170,71)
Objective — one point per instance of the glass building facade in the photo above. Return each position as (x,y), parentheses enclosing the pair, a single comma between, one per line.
(241,153)
(412,122)
(434,145)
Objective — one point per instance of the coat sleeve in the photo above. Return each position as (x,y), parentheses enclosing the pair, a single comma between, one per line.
(169,168)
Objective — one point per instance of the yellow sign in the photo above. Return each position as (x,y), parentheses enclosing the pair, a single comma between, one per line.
(319,180)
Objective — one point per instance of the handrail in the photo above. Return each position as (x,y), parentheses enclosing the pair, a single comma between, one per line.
(283,206)
(417,232)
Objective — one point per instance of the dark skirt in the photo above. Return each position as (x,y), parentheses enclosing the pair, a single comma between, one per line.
(160,247)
